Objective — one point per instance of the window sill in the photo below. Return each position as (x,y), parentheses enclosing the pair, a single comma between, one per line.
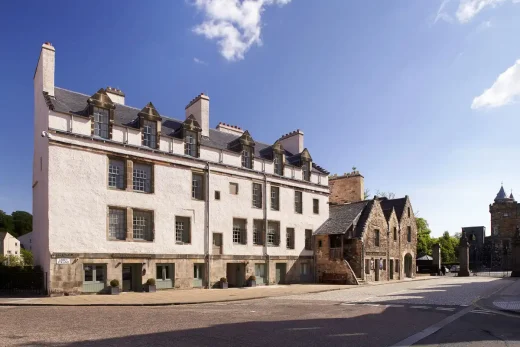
(195,199)
(115,188)
(239,244)
(143,241)
(120,240)
(257,207)
(257,245)
(140,192)
(275,209)
(182,243)
(273,245)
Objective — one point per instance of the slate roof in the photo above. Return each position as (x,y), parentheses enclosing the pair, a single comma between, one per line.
(396,204)
(67,101)
(343,218)
(501,194)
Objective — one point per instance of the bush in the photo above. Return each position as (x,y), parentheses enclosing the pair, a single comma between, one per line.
(114,283)
(252,278)
(151,282)
(27,257)
(223,280)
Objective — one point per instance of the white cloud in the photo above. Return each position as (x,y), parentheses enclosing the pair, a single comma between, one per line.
(484,25)
(470,8)
(235,24)
(505,90)
(199,61)
(442,14)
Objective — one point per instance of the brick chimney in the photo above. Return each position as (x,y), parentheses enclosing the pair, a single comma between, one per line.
(350,187)
(293,141)
(116,95)
(199,108)
(44,74)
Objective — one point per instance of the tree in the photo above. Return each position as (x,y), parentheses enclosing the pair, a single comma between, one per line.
(28,259)
(366,194)
(449,247)
(6,222)
(424,239)
(388,195)
(22,222)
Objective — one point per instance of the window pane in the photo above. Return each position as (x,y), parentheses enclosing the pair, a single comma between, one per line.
(142,176)
(275,197)
(117,224)
(273,234)
(233,188)
(190,144)
(159,273)
(116,170)
(316,206)
(101,119)
(182,229)
(258,230)
(308,238)
(196,187)
(150,133)
(298,202)
(290,238)
(100,273)
(257,195)
(278,164)
(239,231)
(166,272)
(142,225)
(88,273)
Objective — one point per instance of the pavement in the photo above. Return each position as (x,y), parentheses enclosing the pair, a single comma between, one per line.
(439,312)
(506,299)
(183,297)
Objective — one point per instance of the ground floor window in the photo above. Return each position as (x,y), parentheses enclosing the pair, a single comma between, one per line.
(367,266)
(260,273)
(198,275)
(164,275)
(94,277)
(304,269)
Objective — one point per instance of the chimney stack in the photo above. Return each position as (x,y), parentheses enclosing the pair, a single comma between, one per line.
(293,141)
(44,74)
(229,129)
(116,95)
(347,188)
(199,108)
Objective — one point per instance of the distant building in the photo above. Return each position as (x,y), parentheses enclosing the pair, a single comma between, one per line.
(476,237)
(505,218)
(26,241)
(9,245)
(365,240)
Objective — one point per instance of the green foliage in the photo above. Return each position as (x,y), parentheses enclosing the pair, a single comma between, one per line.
(223,280)
(17,223)
(449,247)
(11,261)
(151,282)
(27,256)
(114,283)
(6,222)
(22,222)
(424,239)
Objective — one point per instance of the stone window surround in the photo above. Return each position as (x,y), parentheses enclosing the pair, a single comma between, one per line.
(183,219)
(241,239)
(202,188)
(232,190)
(129,226)
(257,198)
(273,231)
(128,181)
(298,202)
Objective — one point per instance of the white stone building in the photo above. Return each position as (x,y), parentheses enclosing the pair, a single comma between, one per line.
(9,245)
(130,194)
(26,241)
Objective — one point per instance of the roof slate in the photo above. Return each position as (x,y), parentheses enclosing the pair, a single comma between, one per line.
(67,101)
(342,218)
(397,204)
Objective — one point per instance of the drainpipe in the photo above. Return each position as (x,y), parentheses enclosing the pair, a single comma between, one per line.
(363,273)
(206,228)
(267,263)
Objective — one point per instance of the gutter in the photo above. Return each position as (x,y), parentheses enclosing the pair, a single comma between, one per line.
(206,228)
(267,262)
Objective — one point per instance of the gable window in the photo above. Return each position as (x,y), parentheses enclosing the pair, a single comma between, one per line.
(247,157)
(101,121)
(316,206)
(275,198)
(239,231)
(116,177)
(298,208)
(273,233)
(233,188)
(217,195)
(196,186)
(116,223)
(149,133)
(395,234)
(289,238)
(308,239)
(306,171)
(409,234)
(376,238)
(278,164)
(190,144)
(257,195)
(142,178)
(258,232)
(408,211)
(143,225)
(182,230)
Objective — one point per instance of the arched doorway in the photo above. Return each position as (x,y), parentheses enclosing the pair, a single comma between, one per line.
(408,265)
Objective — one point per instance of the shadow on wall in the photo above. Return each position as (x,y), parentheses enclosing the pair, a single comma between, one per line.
(334,325)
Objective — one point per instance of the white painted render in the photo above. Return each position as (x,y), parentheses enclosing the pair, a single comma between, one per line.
(200,110)
(10,245)
(116,98)
(293,142)
(26,240)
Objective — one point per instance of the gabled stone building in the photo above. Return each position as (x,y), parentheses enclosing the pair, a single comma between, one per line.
(365,240)
(505,218)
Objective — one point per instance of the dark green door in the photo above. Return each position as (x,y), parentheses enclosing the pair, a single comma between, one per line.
(281,269)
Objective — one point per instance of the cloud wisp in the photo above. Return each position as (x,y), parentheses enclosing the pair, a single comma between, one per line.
(235,24)
(505,90)
(199,61)
(467,9)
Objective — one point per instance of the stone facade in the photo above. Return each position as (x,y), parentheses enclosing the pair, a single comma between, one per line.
(347,188)
(505,217)
(329,268)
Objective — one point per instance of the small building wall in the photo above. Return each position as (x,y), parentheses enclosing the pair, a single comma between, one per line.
(408,220)
(373,252)
(328,269)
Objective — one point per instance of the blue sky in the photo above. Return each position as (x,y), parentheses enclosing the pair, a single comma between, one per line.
(418,95)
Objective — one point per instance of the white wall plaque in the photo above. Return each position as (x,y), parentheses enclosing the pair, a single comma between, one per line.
(63,261)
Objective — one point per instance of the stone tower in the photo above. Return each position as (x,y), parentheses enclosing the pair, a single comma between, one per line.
(505,217)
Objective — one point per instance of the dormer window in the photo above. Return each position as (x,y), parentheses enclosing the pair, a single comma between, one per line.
(278,164)
(150,124)
(101,122)
(247,158)
(149,133)
(190,143)
(306,171)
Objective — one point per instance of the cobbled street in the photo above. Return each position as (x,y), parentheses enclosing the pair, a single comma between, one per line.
(425,313)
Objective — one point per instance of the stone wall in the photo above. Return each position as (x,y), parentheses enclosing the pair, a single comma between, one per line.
(394,245)
(327,269)
(373,253)
(505,216)
(347,188)
(408,220)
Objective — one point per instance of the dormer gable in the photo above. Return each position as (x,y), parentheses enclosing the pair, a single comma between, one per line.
(246,145)
(101,112)
(150,125)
